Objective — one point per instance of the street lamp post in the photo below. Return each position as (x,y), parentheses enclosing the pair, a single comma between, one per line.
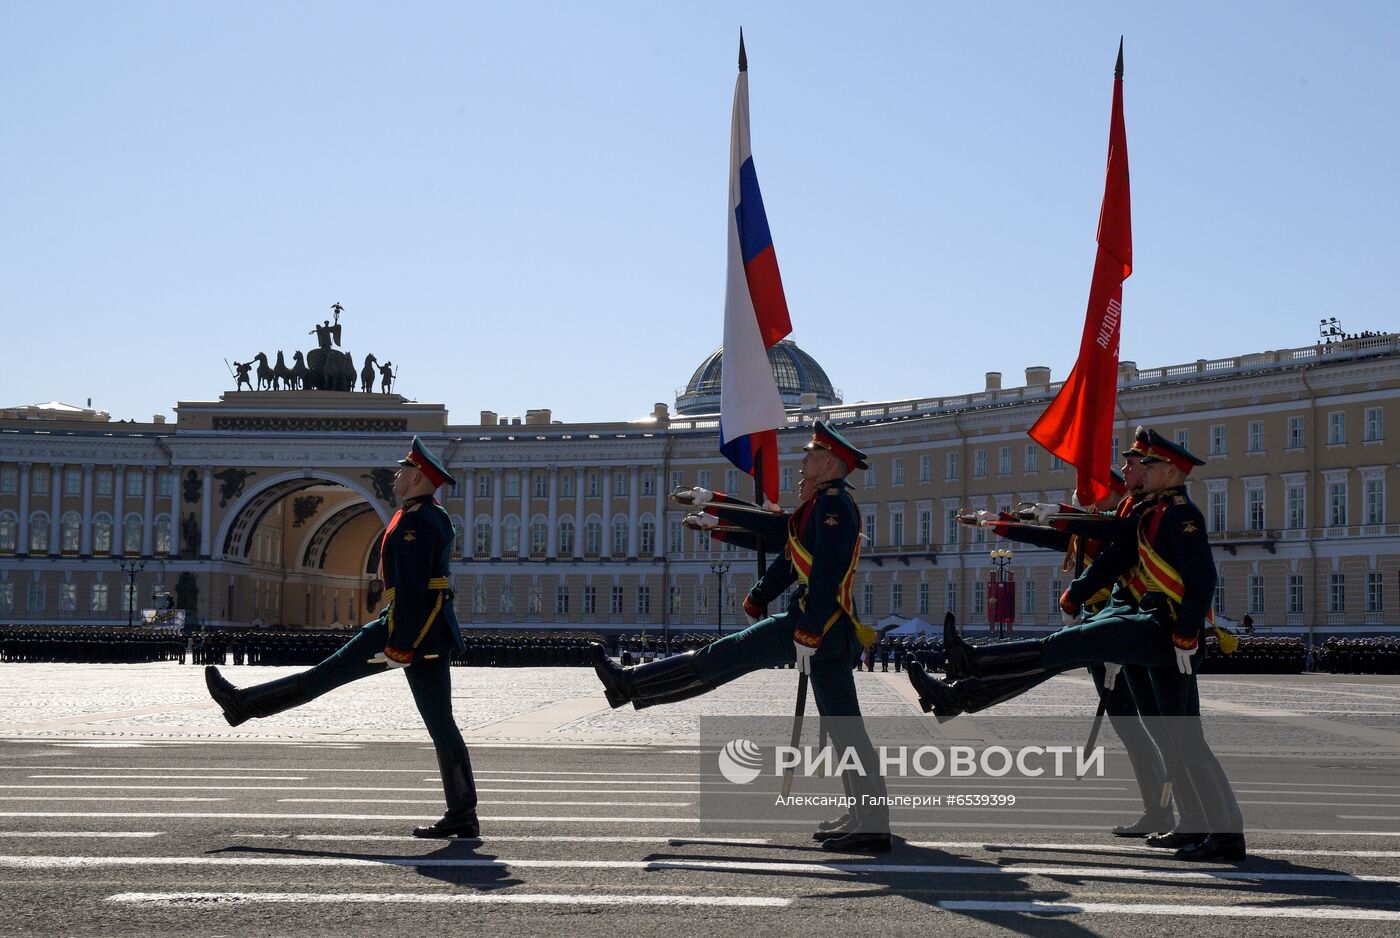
(719,570)
(131,568)
(1003,607)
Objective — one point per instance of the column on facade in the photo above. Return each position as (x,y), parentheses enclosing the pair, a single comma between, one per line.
(468,511)
(118,510)
(148,513)
(24,470)
(524,545)
(552,548)
(607,512)
(175,544)
(85,548)
(578,512)
(496,480)
(56,508)
(634,522)
(658,546)
(206,537)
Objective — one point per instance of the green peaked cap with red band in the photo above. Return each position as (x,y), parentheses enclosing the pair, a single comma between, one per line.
(1151,446)
(827,437)
(422,459)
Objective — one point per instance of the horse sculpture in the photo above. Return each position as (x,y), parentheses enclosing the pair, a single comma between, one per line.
(281,374)
(367,373)
(298,371)
(266,376)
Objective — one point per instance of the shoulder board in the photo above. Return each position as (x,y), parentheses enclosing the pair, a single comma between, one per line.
(1178,499)
(413,508)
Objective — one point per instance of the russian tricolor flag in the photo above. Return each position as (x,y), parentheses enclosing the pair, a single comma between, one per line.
(755,314)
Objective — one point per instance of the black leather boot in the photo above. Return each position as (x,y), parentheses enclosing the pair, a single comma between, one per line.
(260,700)
(957,653)
(1009,659)
(935,696)
(1229,847)
(665,680)
(459,788)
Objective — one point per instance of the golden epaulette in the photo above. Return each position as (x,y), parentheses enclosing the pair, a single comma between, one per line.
(440,583)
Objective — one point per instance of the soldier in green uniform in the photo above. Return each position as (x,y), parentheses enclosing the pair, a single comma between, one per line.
(1162,581)
(818,631)
(417,631)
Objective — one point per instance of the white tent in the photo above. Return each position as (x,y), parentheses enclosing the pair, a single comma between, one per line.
(906,627)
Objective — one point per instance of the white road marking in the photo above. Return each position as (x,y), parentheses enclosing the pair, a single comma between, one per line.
(99,798)
(84,834)
(206,900)
(1366,817)
(1142,850)
(589,804)
(705,864)
(206,778)
(1174,910)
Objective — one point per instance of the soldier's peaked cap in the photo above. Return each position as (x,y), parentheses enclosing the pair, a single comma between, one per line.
(422,459)
(1151,446)
(827,437)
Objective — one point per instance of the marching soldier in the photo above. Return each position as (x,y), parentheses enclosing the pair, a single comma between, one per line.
(819,630)
(1163,580)
(417,631)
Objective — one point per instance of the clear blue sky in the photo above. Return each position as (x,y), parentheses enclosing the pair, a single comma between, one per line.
(524,204)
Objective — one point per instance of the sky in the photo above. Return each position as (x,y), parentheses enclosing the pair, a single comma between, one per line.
(524,205)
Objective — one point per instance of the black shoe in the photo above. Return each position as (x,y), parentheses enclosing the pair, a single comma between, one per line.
(1229,847)
(957,653)
(858,842)
(228,697)
(1145,825)
(616,686)
(1174,840)
(462,826)
(841,823)
(935,696)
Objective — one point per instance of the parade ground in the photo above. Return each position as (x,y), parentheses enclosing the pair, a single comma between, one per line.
(129,807)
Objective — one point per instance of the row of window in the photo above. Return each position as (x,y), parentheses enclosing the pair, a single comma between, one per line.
(99,597)
(1294,593)
(72,482)
(70,533)
(1337,497)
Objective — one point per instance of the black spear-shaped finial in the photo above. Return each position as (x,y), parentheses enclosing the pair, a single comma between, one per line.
(1117,69)
(743,59)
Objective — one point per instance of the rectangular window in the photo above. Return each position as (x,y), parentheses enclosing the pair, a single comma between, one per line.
(590,600)
(897,471)
(868,479)
(644,600)
(1217,440)
(72,482)
(867,599)
(1295,497)
(950,597)
(1374,592)
(34,598)
(595,485)
(1295,594)
(923,599)
(561,600)
(1215,512)
(104,482)
(1256,436)
(731,480)
(979,602)
(785,479)
(925,468)
(483,485)
(677,480)
(68,597)
(1032,456)
(1056,463)
(1029,599)
(541,485)
(979,464)
(1004,461)
(1295,432)
(1374,426)
(165,484)
(1256,594)
(1336,427)
(869,525)
(566,485)
(616,606)
(1218,604)
(1254,509)
(9,481)
(648,483)
(39,481)
(675,537)
(1336,504)
(896,528)
(620,482)
(951,535)
(7,597)
(896,597)
(507,602)
(512,484)
(1337,592)
(1373,501)
(135,483)
(1057,588)
(925,526)
(952,466)
(702,478)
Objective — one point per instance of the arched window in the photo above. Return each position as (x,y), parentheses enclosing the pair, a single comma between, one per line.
(131,534)
(619,536)
(539,535)
(592,536)
(646,536)
(163,530)
(9,532)
(510,536)
(102,534)
(566,537)
(39,533)
(459,536)
(483,537)
(69,532)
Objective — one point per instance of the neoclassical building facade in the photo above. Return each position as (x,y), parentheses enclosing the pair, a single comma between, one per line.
(265,507)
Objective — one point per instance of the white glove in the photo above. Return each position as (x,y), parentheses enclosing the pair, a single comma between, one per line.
(390,662)
(695,497)
(1043,510)
(1110,674)
(700,520)
(804,657)
(772,506)
(1067,620)
(1183,658)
